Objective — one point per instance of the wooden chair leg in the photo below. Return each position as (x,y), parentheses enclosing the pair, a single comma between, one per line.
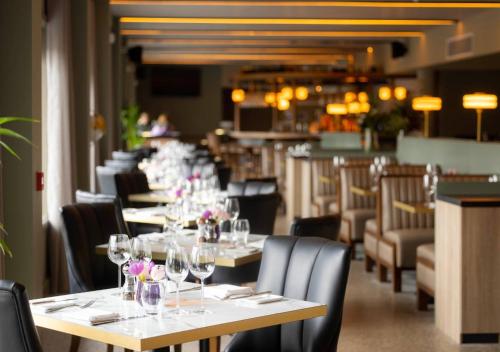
(110,348)
(396,279)
(381,272)
(423,300)
(369,262)
(178,348)
(75,343)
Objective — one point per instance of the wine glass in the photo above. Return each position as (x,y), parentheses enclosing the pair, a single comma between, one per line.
(177,269)
(232,208)
(119,252)
(141,250)
(242,229)
(202,265)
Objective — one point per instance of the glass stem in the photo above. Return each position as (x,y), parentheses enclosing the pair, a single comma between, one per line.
(177,298)
(202,294)
(119,276)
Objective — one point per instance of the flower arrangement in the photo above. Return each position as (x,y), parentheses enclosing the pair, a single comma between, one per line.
(208,225)
(146,271)
(178,193)
(193,177)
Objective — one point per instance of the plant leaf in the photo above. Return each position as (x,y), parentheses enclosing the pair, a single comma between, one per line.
(9,149)
(10,133)
(5,248)
(16,119)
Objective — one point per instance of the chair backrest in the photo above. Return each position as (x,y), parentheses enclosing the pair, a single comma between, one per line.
(130,183)
(224,175)
(358,176)
(17,330)
(133,156)
(322,168)
(85,227)
(327,226)
(128,165)
(106,179)
(313,269)
(252,188)
(92,198)
(405,188)
(404,169)
(260,210)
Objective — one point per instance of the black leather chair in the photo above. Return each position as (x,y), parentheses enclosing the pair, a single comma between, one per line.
(85,227)
(224,175)
(92,198)
(260,210)
(17,331)
(131,183)
(327,226)
(313,269)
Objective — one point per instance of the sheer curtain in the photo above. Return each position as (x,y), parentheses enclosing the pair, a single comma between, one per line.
(60,177)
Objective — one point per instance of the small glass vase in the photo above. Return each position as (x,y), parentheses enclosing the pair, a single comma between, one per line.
(152,296)
(138,290)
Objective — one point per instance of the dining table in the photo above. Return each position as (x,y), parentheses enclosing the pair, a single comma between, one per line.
(155,216)
(228,254)
(132,329)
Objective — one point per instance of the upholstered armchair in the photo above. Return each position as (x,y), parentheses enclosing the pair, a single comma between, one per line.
(324,193)
(355,209)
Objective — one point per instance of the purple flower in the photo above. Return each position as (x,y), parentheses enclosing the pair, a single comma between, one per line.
(196,175)
(136,268)
(190,178)
(178,193)
(207,214)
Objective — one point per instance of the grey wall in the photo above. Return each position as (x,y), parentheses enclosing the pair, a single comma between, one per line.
(192,116)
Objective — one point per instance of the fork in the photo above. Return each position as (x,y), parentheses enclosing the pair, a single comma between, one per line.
(83,306)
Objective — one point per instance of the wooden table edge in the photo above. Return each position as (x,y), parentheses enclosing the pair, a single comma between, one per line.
(411,208)
(362,192)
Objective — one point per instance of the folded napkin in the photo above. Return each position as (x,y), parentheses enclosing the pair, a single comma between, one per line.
(154,236)
(260,299)
(91,315)
(240,252)
(226,291)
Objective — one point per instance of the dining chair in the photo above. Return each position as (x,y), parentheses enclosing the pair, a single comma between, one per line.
(106,178)
(128,165)
(17,329)
(323,187)
(312,269)
(327,226)
(130,183)
(92,198)
(260,210)
(251,188)
(224,175)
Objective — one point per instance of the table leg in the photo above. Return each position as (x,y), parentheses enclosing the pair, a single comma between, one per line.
(214,344)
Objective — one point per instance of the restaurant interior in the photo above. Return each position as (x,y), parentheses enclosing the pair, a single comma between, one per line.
(249,175)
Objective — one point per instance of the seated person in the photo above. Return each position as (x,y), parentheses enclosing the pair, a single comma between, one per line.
(162,126)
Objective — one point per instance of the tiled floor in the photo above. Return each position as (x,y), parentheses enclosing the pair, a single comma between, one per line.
(375,320)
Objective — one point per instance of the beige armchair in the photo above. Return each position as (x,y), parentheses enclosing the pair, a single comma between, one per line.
(401,232)
(371,235)
(324,193)
(355,209)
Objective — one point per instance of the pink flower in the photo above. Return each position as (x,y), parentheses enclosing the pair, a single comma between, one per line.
(158,272)
(178,193)
(207,214)
(190,178)
(196,175)
(136,268)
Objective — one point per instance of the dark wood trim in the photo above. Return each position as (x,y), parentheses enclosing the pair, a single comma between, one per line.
(471,201)
(480,338)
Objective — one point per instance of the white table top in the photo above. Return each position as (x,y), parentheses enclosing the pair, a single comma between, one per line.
(149,332)
(227,254)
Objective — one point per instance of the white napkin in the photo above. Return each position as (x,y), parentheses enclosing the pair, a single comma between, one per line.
(91,315)
(240,252)
(257,244)
(154,236)
(260,299)
(226,291)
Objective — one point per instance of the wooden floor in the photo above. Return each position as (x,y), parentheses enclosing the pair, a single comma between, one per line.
(375,320)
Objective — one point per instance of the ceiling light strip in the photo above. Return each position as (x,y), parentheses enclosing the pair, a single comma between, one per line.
(291,21)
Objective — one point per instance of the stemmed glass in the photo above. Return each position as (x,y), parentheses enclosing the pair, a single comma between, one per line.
(141,250)
(119,252)
(242,229)
(177,268)
(232,208)
(202,265)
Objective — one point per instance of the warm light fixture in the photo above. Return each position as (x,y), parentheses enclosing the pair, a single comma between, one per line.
(426,104)
(270,98)
(318,88)
(291,21)
(369,50)
(219,132)
(301,93)
(287,93)
(365,107)
(283,104)
(384,93)
(238,95)
(354,107)
(287,34)
(479,102)
(400,93)
(363,97)
(259,3)
(349,97)
(336,109)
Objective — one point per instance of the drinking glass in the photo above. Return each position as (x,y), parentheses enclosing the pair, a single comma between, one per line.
(119,252)
(152,295)
(202,265)
(177,269)
(141,250)
(242,229)
(232,208)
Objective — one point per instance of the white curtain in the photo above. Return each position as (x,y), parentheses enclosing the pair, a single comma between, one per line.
(60,176)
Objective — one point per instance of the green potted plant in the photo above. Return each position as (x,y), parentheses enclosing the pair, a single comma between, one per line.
(7,132)
(129,118)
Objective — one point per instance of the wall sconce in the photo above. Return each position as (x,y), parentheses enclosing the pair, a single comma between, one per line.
(479,102)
